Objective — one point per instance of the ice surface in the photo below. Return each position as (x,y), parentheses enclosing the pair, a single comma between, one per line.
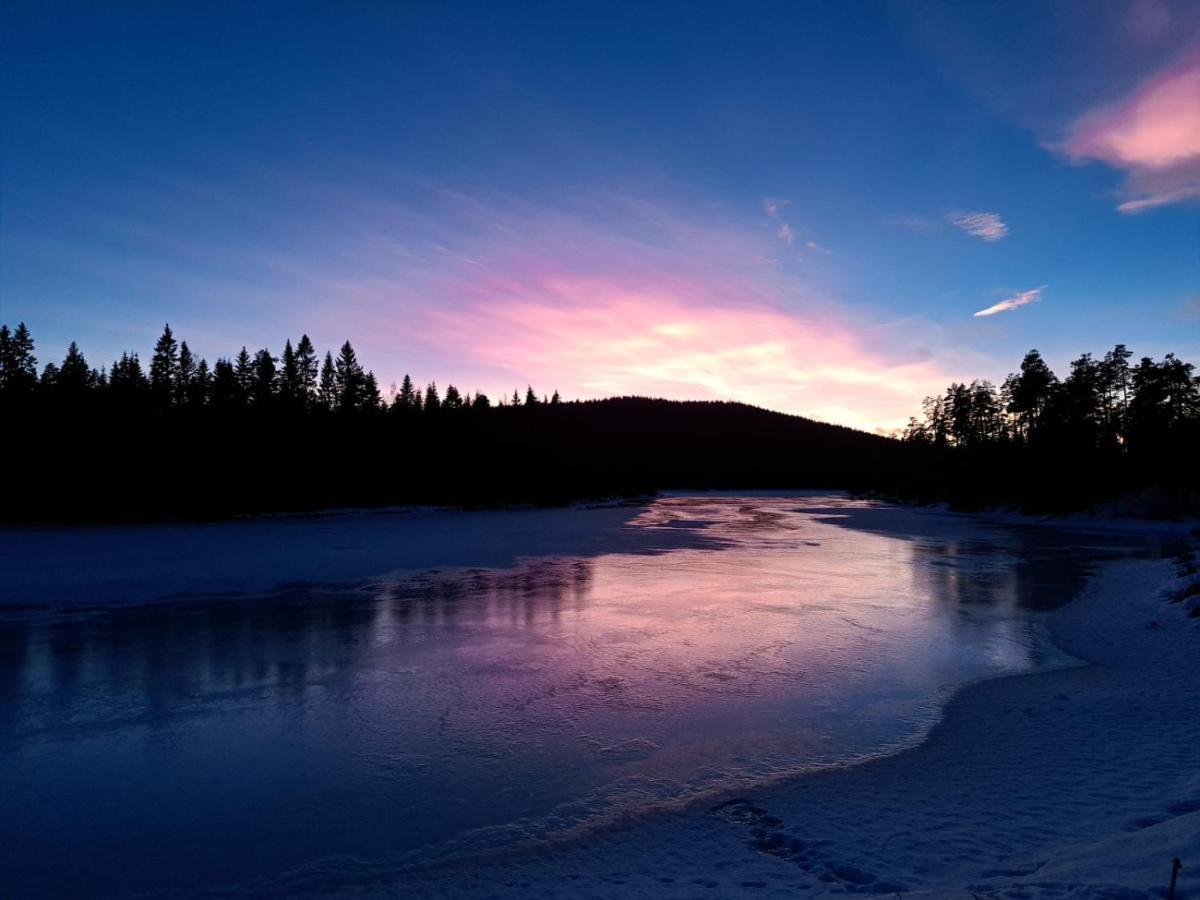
(324,703)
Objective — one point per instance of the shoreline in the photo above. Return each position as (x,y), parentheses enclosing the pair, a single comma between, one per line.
(1071,782)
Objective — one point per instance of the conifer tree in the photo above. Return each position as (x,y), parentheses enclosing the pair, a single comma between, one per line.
(225,392)
(74,376)
(306,364)
(407,398)
(243,374)
(18,365)
(371,400)
(164,369)
(327,387)
(433,402)
(453,399)
(187,374)
(200,385)
(349,379)
(263,382)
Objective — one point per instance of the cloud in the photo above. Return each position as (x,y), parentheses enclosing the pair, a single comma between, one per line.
(1153,135)
(1023,298)
(785,233)
(987,226)
(772,206)
(673,335)
(817,248)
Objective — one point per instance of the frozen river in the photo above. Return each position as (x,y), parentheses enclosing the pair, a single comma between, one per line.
(257,704)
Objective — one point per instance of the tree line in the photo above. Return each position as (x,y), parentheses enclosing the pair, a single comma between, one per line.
(296,380)
(1108,427)
(260,432)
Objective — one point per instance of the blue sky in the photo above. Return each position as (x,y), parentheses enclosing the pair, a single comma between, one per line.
(749,201)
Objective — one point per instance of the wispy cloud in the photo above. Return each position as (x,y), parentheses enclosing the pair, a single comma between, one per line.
(772,206)
(1153,135)
(987,226)
(785,233)
(1023,298)
(817,248)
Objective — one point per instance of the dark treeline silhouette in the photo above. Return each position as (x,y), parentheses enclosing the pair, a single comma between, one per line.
(1107,430)
(300,431)
(259,432)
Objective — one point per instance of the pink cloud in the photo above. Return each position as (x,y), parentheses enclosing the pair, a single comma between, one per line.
(987,226)
(1153,135)
(674,336)
(1023,298)
(610,295)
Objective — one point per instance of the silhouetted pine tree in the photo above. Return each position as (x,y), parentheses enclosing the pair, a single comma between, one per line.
(453,399)
(74,376)
(18,365)
(306,364)
(433,403)
(199,386)
(186,375)
(164,369)
(243,374)
(327,393)
(291,392)
(263,381)
(225,392)
(349,379)
(371,399)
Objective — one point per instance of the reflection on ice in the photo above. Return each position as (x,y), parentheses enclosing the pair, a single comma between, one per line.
(400,712)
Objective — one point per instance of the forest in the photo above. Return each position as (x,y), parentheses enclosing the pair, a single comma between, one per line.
(259,432)
(1108,430)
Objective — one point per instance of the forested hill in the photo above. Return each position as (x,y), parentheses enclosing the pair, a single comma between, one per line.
(115,464)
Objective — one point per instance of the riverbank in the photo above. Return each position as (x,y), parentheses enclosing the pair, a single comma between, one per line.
(1080,782)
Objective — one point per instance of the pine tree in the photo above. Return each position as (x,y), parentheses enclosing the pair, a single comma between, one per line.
(290,389)
(263,383)
(453,399)
(18,365)
(225,392)
(243,374)
(74,376)
(433,402)
(164,369)
(187,374)
(306,363)
(349,380)
(407,399)
(200,385)
(530,397)
(371,400)
(327,388)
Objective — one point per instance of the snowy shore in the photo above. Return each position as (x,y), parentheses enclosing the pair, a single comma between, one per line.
(1077,783)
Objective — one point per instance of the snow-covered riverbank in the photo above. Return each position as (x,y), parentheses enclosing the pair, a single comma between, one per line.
(1081,782)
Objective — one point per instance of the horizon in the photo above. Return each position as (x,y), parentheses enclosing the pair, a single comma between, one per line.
(821,212)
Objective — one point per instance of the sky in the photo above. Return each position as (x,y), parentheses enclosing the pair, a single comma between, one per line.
(826,209)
